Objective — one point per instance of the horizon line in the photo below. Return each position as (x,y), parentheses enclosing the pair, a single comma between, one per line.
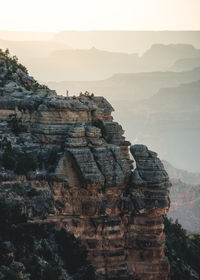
(105,30)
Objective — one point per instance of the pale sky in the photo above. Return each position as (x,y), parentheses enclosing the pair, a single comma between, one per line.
(56,15)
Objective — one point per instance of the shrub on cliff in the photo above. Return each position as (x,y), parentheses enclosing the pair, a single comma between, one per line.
(87,94)
(19,162)
(13,65)
(50,273)
(9,274)
(36,86)
(12,61)
(183,251)
(10,214)
(16,125)
(46,252)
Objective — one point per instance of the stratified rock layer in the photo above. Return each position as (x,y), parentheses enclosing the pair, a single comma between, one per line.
(65,161)
(149,193)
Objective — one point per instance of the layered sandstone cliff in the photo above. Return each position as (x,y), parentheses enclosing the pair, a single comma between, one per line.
(64,161)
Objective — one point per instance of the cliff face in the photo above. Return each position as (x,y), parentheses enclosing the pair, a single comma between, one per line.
(65,162)
(185,205)
(184,197)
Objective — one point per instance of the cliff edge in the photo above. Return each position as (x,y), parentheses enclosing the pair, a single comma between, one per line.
(73,205)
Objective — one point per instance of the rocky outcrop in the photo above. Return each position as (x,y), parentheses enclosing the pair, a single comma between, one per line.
(65,162)
(149,194)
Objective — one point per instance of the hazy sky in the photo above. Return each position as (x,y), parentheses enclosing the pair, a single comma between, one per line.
(55,15)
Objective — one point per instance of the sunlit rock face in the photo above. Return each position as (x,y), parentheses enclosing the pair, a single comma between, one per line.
(65,161)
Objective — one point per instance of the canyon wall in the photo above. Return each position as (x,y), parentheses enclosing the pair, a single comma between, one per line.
(64,161)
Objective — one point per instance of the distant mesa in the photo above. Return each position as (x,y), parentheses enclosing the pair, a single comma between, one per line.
(93,64)
(126,41)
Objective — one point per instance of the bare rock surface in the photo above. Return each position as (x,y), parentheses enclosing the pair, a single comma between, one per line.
(66,167)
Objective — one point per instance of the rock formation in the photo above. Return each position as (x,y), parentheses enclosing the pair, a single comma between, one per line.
(65,162)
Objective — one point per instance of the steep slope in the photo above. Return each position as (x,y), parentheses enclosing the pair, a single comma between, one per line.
(68,185)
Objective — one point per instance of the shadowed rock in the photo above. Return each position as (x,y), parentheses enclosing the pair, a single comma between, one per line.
(65,162)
